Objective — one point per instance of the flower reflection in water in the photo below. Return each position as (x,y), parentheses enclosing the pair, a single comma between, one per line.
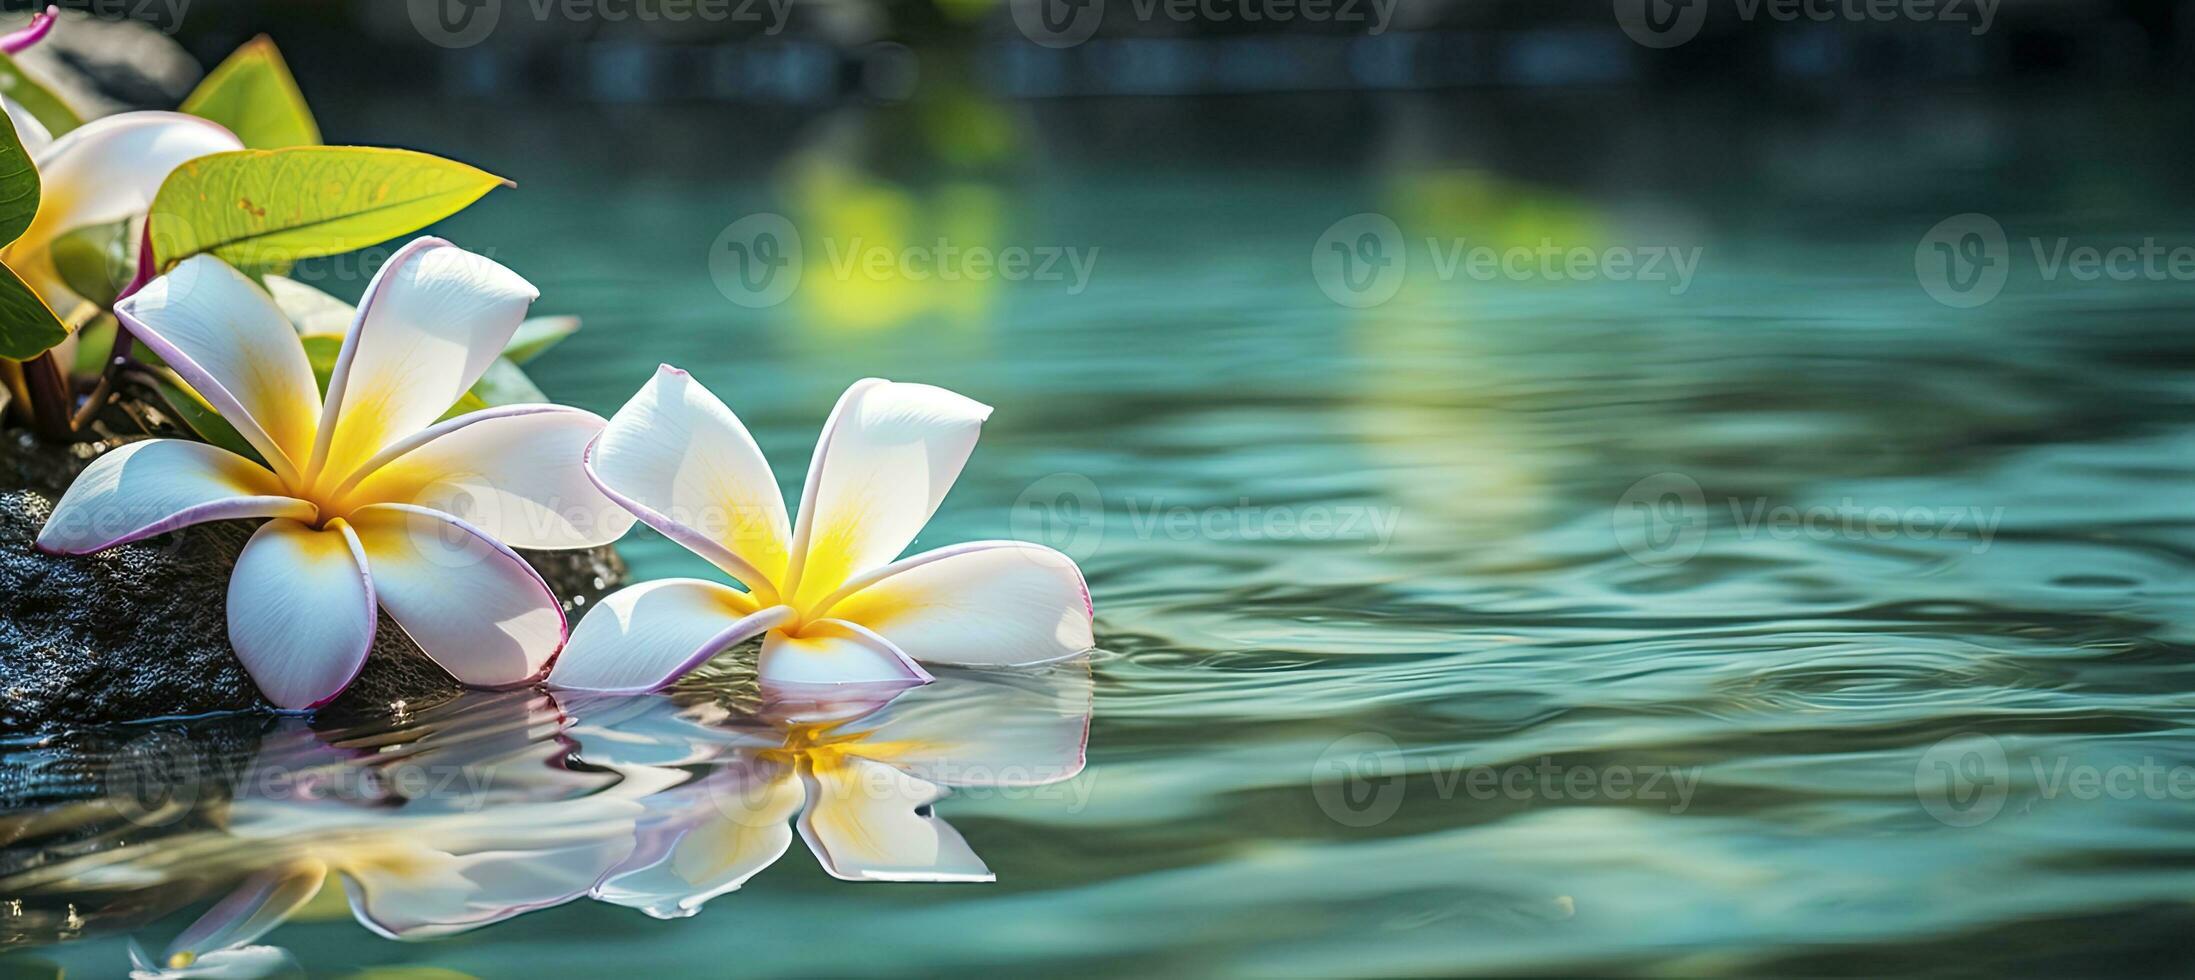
(490,806)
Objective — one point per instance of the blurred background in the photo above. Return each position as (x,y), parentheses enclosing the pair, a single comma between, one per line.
(1420,385)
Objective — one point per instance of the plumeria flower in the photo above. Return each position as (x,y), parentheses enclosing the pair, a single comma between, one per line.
(364,488)
(104,171)
(822,589)
(858,775)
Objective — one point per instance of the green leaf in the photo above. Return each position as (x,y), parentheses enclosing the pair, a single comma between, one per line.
(537,335)
(254,95)
(94,344)
(95,261)
(28,326)
(37,99)
(18,184)
(193,412)
(264,209)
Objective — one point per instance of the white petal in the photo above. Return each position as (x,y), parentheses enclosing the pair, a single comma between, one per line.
(831,652)
(153,487)
(986,728)
(682,461)
(226,337)
(109,169)
(643,637)
(262,902)
(989,603)
(28,130)
(886,459)
(869,822)
(471,604)
(431,322)
(301,612)
(489,875)
(710,837)
(514,472)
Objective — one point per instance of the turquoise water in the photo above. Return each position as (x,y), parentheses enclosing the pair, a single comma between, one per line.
(1783,620)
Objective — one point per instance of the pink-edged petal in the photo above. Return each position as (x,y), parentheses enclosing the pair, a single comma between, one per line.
(23,38)
(432,321)
(471,604)
(708,838)
(833,652)
(985,603)
(301,611)
(866,821)
(262,902)
(513,472)
(225,336)
(687,466)
(643,637)
(986,728)
(153,487)
(109,169)
(887,457)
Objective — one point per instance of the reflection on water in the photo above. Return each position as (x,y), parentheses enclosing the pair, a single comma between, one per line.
(494,805)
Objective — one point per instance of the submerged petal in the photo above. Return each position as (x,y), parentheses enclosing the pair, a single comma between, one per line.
(643,637)
(886,459)
(473,606)
(257,905)
(867,821)
(990,603)
(431,322)
(153,487)
(708,838)
(831,652)
(513,472)
(225,336)
(301,611)
(686,465)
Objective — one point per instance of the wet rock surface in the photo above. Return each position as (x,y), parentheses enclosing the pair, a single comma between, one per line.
(141,631)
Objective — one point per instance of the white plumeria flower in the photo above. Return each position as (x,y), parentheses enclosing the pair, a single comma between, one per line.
(835,607)
(361,487)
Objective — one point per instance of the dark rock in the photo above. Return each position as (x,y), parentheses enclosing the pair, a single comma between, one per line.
(141,631)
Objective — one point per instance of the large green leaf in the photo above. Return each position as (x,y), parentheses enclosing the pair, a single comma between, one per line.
(254,95)
(18,184)
(28,326)
(265,209)
(39,100)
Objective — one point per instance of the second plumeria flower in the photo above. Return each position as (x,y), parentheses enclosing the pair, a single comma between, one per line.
(832,605)
(361,485)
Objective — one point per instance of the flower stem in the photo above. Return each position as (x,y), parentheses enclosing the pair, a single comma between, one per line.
(49,398)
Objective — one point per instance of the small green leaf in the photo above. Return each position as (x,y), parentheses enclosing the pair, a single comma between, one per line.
(505,383)
(264,209)
(95,261)
(537,335)
(193,412)
(18,184)
(28,326)
(94,344)
(37,99)
(254,95)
